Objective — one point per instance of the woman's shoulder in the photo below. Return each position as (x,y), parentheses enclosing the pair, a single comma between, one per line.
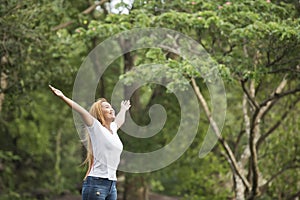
(96,123)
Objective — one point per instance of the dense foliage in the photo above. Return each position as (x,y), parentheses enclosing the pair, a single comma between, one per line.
(256,45)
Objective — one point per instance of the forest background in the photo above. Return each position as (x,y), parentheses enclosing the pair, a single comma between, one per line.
(256,45)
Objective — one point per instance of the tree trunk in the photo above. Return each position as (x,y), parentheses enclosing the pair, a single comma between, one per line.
(135,186)
(239,188)
(241,183)
(3,86)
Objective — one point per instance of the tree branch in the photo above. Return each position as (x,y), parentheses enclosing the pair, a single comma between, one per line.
(276,96)
(284,169)
(61,26)
(232,160)
(245,155)
(93,7)
(254,162)
(254,134)
(284,70)
(286,50)
(252,101)
(230,50)
(277,124)
(294,196)
(277,59)
(240,135)
(86,11)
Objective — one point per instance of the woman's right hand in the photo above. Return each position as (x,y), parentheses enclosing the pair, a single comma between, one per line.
(86,116)
(57,92)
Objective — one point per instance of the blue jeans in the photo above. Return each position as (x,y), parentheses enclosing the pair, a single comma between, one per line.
(95,188)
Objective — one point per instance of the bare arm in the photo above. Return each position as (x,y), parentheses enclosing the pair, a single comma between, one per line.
(120,118)
(85,115)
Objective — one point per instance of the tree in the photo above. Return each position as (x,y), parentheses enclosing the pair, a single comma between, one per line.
(31,57)
(256,44)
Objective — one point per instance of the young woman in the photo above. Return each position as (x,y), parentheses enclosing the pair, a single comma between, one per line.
(104,146)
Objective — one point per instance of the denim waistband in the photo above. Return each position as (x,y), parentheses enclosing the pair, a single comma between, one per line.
(92,180)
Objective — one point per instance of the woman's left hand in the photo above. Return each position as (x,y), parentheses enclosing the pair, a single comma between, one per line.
(125,104)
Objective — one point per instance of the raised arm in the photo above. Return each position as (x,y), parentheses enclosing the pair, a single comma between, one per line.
(85,115)
(120,118)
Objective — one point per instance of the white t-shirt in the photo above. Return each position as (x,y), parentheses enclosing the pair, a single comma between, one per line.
(107,148)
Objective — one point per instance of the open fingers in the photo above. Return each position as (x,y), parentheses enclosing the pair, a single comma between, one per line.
(126,104)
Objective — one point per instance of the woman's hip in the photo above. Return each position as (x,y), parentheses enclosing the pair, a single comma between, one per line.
(96,188)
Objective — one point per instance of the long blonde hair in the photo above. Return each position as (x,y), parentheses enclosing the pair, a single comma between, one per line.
(96,112)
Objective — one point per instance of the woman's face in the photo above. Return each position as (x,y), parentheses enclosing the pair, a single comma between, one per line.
(108,111)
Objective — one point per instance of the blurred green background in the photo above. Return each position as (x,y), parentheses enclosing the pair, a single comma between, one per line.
(256,45)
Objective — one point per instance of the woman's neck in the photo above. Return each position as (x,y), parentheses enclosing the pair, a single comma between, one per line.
(107,126)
